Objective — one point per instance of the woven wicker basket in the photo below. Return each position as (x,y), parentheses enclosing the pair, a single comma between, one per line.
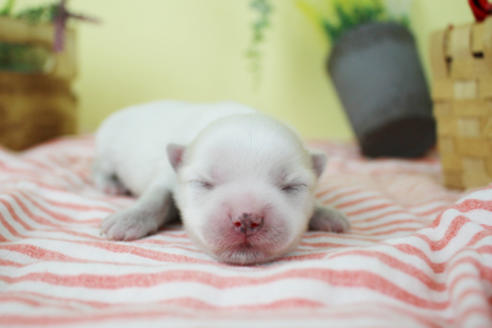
(36,107)
(461,60)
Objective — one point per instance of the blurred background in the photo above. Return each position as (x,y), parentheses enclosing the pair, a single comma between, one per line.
(195,50)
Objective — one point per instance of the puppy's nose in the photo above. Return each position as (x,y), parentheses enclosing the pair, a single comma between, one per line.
(248,223)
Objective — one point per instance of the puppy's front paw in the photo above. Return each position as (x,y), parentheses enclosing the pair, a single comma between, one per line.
(326,218)
(128,224)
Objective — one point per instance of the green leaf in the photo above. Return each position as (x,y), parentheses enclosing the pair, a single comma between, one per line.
(348,17)
(263,10)
(22,58)
(41,14)
(7,8)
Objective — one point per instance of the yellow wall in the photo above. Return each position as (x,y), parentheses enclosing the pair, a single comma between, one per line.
(194,50)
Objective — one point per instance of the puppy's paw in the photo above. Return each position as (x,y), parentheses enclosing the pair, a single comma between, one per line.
(129,224)
(326,218)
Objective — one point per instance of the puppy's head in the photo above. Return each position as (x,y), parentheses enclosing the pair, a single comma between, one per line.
(245,188)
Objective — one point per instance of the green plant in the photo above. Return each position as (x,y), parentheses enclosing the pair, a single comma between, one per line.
(27,58)
(35,15)
(345,15)
(348,19)
(21,57)
(332,17)
(263,10)
(7,8)
(40,14)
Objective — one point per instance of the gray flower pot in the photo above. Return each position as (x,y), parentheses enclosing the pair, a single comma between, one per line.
(378,76)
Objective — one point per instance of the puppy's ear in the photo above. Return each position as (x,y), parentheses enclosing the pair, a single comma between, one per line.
(318,160)
(175,155)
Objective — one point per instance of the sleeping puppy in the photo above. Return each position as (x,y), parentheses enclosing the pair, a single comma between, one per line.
(242,183)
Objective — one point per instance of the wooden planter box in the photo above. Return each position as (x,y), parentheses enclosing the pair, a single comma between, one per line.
(461,60)
(37,107)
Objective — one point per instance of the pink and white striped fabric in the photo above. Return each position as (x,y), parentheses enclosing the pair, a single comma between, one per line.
(418,255)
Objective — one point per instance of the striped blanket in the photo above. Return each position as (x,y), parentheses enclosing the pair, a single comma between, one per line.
(418,255)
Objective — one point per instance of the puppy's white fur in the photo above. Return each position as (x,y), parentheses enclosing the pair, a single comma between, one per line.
(224,161)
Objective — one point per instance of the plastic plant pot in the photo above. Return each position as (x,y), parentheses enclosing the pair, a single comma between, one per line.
(379,79)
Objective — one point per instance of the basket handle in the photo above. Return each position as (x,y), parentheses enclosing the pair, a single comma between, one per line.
(19,32)
(480,8)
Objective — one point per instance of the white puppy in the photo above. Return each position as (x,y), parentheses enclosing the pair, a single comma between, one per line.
(243,183)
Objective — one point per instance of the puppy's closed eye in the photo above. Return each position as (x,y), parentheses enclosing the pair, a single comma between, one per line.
(202,184)
(293,187)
